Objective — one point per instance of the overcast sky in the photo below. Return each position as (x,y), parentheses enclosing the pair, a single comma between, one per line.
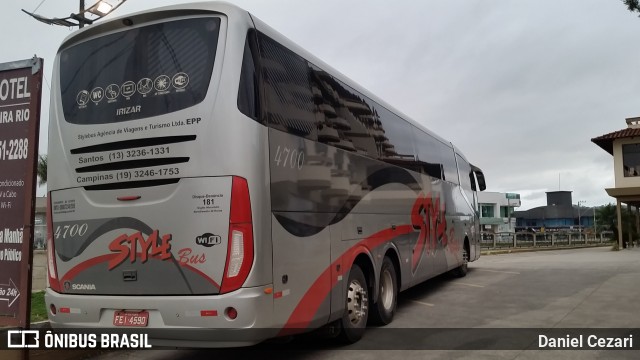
(519,86)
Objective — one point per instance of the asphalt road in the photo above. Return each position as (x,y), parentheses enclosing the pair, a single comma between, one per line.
(580,288)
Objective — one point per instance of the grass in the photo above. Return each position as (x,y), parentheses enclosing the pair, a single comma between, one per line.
(38,307)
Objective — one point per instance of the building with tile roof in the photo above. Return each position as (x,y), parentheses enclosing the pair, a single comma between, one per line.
(624,145)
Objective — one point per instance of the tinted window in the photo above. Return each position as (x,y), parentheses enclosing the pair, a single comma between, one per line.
(302,99)
(466,175)
(397,143)
(288,99)
(343,116)
(448,158)
(436,154)
(631,159)
(138,73)
(429,154)
(247,91)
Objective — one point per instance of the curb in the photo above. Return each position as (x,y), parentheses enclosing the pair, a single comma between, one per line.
(519,250)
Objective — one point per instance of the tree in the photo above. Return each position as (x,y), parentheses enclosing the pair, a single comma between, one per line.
(42,169)
(607,217)
(632,5)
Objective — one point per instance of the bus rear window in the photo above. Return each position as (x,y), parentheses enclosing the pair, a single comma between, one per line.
(138,73)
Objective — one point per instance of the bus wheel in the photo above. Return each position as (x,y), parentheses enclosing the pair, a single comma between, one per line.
(461,271)
(354,320)
(384,309)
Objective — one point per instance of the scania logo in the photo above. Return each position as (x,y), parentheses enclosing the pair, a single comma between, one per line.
(83,286)
(208,240)
(69,286)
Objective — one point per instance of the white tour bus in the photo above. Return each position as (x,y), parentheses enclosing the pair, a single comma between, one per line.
(205,173)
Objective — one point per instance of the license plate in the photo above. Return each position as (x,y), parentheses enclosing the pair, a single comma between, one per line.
(131,318)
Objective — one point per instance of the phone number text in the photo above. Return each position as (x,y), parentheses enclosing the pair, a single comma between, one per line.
(134,153)
(137,174)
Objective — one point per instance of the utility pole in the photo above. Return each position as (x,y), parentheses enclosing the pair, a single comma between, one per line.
(579,221)
(595,224)
(80,23)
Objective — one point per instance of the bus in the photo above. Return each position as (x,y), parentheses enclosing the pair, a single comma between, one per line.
(207,175)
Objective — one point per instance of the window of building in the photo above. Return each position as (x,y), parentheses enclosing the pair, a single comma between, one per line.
(506,211)
(631,159)
(486,211)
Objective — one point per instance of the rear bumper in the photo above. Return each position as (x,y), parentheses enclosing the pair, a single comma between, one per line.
(174,320)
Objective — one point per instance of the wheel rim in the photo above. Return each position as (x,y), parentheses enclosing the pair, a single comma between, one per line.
(465,260)
(356,302)
(386,289)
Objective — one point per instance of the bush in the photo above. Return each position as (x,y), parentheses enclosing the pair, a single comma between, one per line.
(615,246)
(38,307)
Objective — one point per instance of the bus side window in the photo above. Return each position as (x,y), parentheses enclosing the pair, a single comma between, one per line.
(288,100)
(466,175)
(429,158)
(248,89)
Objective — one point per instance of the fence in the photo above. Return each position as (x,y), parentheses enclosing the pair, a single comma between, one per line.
(531,239)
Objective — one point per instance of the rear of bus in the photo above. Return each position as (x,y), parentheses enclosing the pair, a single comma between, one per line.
(156,179)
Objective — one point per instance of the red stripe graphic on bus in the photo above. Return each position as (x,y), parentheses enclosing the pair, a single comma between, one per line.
(428,216)
(71,274)
(318,292)
(203,275)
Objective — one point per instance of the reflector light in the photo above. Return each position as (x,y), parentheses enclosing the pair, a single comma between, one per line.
(65,310)
(208,313)
(128,198)
(231,313)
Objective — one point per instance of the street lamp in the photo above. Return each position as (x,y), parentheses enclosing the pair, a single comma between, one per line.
(85,16)
(579,220)
(101,8)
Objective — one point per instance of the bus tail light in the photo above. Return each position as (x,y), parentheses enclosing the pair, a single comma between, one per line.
(240,245)
(52,269)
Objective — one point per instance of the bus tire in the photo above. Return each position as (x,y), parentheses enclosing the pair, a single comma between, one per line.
(385,308)
(356,312)
(461,271)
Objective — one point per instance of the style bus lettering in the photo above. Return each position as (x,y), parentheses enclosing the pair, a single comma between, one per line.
(129,246)
(428,216)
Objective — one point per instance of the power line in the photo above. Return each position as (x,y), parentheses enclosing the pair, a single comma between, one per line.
(41,2)
(45,77)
